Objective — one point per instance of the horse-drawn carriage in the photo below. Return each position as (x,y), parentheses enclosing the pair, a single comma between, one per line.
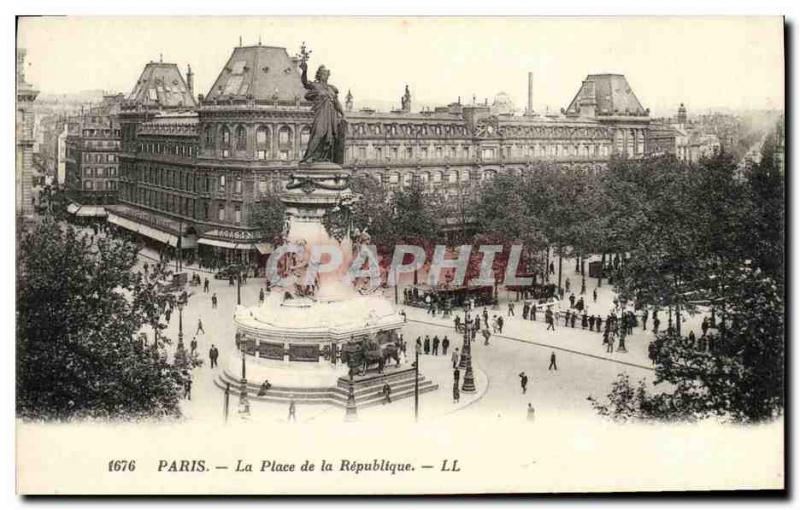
(369,354)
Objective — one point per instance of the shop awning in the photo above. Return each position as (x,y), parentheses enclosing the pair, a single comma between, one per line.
(123,222)
(89,210)
(217,243)
(73,208)
(264,248)
(158,235)
(145,230)
(234,246)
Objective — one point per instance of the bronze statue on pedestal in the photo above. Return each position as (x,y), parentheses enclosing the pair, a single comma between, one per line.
(326,141)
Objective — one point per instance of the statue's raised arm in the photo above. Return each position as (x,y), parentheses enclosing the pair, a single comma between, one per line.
(304,74)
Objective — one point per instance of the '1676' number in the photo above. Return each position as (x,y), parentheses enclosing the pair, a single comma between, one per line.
(122,465)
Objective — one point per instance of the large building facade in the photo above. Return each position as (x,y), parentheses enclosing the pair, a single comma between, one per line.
(92,159)
(191,173)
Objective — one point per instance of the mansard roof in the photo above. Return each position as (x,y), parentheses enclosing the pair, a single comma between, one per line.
(262,73)
(611,94)
(161,85)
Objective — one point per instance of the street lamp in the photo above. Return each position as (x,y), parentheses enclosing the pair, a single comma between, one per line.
(351,411)
(416,383)
(466,358)
(239,287)
(462,362)
(227,399)
(244,363)
(183,298)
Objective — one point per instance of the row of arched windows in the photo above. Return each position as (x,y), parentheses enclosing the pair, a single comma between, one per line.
(238,139)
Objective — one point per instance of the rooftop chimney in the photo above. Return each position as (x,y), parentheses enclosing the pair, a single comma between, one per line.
(530,93)
(190,80)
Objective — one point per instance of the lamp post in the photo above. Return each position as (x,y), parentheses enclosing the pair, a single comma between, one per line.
(465,349)
(239,287)
(466,358)
(227,399)
(244,363)
(351,411)
(416,383)
(396,284)
(181,302)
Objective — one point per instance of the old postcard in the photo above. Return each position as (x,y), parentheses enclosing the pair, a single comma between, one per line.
(399,255)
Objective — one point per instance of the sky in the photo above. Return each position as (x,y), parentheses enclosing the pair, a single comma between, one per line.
(704,62)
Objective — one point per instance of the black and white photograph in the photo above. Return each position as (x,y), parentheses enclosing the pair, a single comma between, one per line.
(310,255)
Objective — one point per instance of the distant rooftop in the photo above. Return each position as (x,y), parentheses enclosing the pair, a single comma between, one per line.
(162,85)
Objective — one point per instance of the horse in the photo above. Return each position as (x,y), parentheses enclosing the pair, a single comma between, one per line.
(391,352)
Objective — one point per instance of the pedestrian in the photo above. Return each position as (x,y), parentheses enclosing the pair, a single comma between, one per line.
(572,300)
(457,323)
(704,326)
(265,386)
(552,268)
(656,323)
(200,327)
(454,357)
(572,320)
(427,344)
(193,344)
(435,345)
(548,318)
(387,394)
(525,309)
(213,354)
(456,375)
(486,336)
(419,344)
(205,285)
(583,287)
(644,319)
(292,411)
(553,365)
(214,300)
(580,305)
(566,284)
(591,322)
(531,413)
(594,295)
(566,318)
(533,312)
(261,295)
(456,393)
(585,322)
(510,309)
(445,345)
(692,339)
(187,389)
(494,324)
(500,324)
(486,318)
(168,314)
(523,381)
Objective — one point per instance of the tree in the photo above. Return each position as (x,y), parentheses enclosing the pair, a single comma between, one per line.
(79,311)
(735,373)
(269,216)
